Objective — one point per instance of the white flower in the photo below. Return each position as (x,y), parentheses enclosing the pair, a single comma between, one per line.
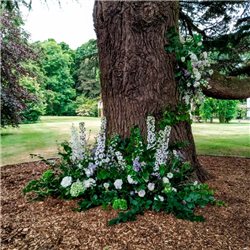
(165,180)
(210,72)
(151,186)
(89,183)
(130,180)
(205,55)
(196,183)
(66,181)
(182,40)
(141,193)
(199,43)
(161,154)
(88,172)
(150,132)
(106,185)
(77,150)
(183,59)
(118,183)
(170,175)
(159,197)
(196,84)
(193,57)
(197,76)
(174,189)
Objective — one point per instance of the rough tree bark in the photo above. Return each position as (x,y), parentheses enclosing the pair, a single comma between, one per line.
(137,75)
(228,87)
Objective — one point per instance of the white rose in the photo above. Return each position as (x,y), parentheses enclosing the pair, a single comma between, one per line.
(165,180)
(66,181)
(210,72)
(151,186)
(118,183)
(170,175)
(141,193)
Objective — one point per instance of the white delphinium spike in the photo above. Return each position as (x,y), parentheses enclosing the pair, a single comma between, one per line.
(120,159)
(82,135)
(150,132)
(77,153)
(161,154)
(101,141)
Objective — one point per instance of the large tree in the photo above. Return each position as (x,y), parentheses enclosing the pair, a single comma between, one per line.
(137,74)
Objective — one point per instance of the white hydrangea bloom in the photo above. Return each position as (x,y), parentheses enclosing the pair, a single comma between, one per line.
(141,193)
(118,183)
(76,189)
(66,181)
(150,132)
(77,151)
(151,186)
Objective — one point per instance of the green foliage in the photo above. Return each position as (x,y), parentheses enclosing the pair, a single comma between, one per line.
(86,106)
(47,185)
(33,85)
(225,110)
(58,85)
(127,174)
(15,53)
(86,73)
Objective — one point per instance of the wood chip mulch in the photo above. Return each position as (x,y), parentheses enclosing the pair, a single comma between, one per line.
(51,224)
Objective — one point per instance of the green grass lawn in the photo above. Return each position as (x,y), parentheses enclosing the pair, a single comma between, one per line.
(44,137)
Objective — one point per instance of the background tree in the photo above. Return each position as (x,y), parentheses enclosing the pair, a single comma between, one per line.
(59,85)
(15,53)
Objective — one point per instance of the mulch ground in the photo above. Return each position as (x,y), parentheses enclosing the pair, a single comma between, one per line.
(51,224)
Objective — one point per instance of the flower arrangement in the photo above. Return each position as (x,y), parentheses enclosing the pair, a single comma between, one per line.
(131,175)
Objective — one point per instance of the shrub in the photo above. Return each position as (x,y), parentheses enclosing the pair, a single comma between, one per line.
(127,174)
(87,107)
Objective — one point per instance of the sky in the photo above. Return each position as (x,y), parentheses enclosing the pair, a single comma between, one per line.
(71,23)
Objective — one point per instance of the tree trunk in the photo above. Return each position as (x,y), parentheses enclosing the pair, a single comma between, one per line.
(137,75)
